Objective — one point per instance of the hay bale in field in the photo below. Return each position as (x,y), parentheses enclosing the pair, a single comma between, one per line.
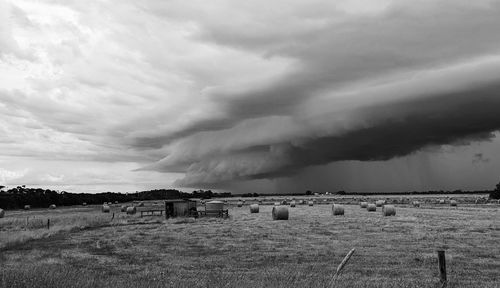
(416,204)
(389,210)
(292,204)
(337,209)
(371,207)
(280,213)
(276,204)
(239,204)
(453,203)
(105,209)
(27,207)
(84,204)
(116,202)
(254,208)
(53,206)
(310,203)
(380,203)
(131,210)
(441,201)
(2,213)
(124,208)
(363,204)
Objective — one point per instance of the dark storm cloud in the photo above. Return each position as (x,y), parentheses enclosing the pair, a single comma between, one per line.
(394,130)
(332,105)
(399,129)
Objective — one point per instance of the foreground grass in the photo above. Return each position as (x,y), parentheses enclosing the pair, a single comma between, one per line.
(251,250)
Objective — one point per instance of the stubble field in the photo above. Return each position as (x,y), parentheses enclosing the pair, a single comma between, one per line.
(85,248)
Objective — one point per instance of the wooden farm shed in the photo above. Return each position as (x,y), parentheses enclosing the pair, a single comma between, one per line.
(179,207)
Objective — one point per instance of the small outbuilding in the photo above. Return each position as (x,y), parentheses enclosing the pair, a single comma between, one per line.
(179,207)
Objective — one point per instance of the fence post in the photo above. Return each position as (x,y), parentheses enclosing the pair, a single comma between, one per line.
(341,266)
(48,224)
(442,267)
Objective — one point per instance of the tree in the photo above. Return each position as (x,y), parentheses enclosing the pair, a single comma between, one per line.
(495,194)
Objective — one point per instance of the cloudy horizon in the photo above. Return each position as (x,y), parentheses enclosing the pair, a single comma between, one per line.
(259,97)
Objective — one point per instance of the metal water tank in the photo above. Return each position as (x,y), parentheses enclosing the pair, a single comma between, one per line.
(214,205)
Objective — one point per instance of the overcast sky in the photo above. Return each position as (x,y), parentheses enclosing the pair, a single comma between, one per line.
(250,96)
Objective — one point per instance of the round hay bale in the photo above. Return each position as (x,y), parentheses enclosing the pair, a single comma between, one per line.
(453,203)
(84,204)
(131,210)
(284,202)
(416,204)
(363,204)
(105,209)
(337,209)
(389,210)
(254,208)
(380,203)
(280,213)
(239,204)
(292,204)
(53,206)
(276,203)
(371,207)
(2,213)
(310,203)
(124,208)
(27,207)
(441,201)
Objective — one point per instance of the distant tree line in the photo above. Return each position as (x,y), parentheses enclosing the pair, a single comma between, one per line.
(16,198)
(248,195)
(495,194)
(430,192)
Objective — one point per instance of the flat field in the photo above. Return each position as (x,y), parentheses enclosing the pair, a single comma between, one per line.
(87,248)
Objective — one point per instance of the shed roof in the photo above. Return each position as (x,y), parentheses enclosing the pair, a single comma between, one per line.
(178,200)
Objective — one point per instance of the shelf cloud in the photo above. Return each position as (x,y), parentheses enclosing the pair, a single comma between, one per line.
(215,93)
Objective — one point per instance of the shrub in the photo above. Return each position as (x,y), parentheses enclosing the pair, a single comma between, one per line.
(495,194)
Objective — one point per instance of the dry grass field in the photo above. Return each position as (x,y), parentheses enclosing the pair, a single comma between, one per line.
(85,248)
